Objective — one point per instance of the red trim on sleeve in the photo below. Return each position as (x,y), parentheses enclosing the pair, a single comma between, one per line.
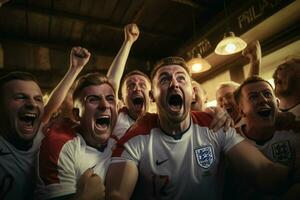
(201,118)
(57,136)
(143,126)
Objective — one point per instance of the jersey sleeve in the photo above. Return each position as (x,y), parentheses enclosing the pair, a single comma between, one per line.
(229,139)
(131,146)
(56,167)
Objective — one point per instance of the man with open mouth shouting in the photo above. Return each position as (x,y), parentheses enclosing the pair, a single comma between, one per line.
(22,108)
(259,108)
(90,146)
(67,153)
(173,154)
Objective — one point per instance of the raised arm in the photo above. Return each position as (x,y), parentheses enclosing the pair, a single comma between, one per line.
(253,52)
(115,71)
(250,162)
(120,180)
(78,58)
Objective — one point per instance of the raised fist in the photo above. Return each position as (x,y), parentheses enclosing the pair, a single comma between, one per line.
(131,32)
(253,51)
(79,57)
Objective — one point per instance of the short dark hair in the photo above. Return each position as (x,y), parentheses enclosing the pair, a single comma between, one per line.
(88,80)
(289,62)
(252,79)
(17,75)
(173,60)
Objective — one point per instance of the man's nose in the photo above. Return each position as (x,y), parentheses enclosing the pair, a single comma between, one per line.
(174,83)
(30,103)
(103,104)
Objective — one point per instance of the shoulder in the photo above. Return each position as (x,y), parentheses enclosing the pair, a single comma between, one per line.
(57,135)
(201,118)
(143,126)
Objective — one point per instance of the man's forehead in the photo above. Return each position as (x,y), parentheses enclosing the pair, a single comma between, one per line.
(225,90)
(21,85)
(102,89)
(136,77)
(171,69)
(257,87)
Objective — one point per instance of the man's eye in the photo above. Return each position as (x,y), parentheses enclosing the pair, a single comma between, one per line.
(92,99)
(143,85)
(163,80)
(39,99)
(110,98)
(268,94)
(253,97)
(130,86)
(181,78)
(20,97)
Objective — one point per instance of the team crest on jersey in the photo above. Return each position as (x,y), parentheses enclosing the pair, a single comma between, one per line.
(282,152)
(205,156)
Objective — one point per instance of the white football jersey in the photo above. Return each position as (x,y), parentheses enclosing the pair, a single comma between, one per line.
(169,168)
(296,111)
(17,169)
(283,147)
(63,158)
(124,122)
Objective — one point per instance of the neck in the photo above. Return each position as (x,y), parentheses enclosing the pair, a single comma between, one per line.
(259,134)
(19,144)
(173,128)
(131,114)
(289,101)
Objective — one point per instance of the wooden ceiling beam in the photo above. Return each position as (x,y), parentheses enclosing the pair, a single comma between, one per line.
(65,45)
(47,79)
(89,19)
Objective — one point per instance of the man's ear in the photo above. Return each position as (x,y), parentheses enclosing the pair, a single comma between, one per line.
(240,107)
(76,114)
(151,96)
(278,102)
(193,94)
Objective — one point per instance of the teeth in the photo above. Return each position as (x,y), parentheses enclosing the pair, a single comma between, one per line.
(103,120)
(29,115)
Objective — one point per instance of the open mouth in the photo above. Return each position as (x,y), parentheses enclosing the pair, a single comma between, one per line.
(103,122)
(28,119)
(138,102)
(175,102)
(265,112)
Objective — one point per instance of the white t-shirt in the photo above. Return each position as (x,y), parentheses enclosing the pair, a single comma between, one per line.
(283,147)
(296,111)
(185,168)
(63,157)
(124,122)
(17,169)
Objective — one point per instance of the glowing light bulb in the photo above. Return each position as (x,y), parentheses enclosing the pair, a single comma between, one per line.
(230,48)
(196,68)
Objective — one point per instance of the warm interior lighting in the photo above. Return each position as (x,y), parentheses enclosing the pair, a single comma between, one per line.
(230,45)
(198,64)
